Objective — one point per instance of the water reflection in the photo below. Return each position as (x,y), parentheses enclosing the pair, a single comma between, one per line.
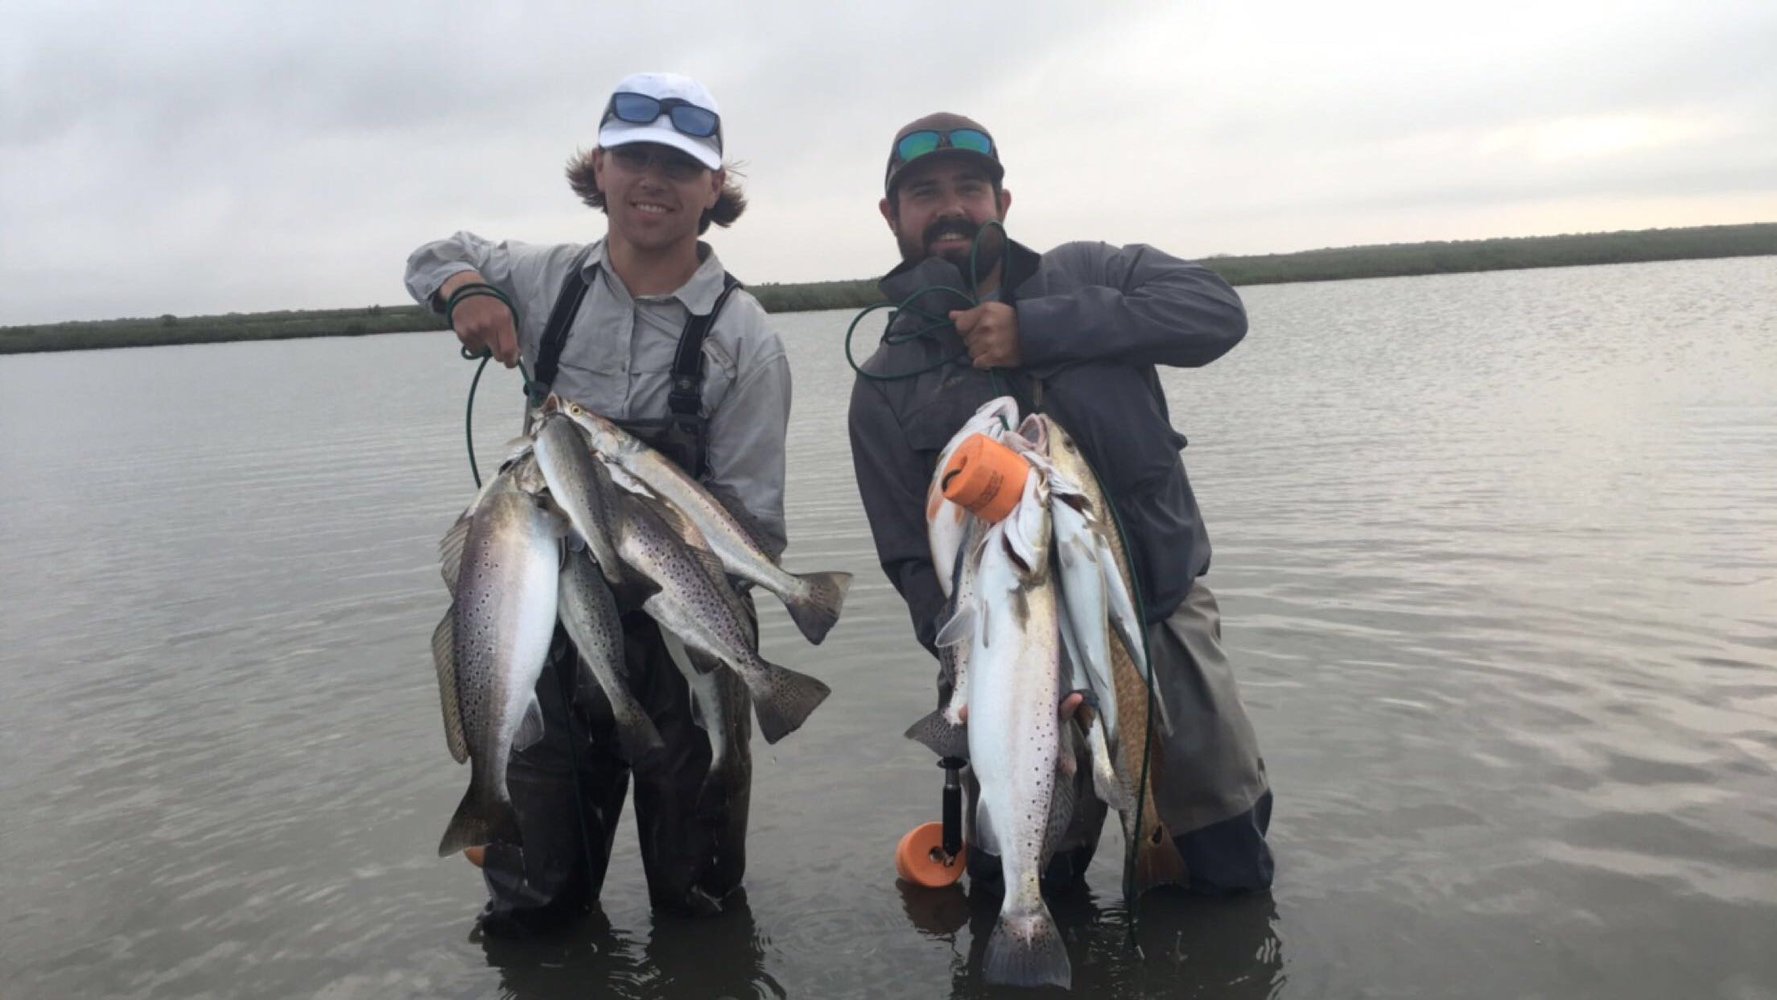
(1185,945)
(718,956)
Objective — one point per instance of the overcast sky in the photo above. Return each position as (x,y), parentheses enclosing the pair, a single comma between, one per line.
(204,158)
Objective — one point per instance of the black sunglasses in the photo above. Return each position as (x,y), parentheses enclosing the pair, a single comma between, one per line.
(914,145)
(640,109)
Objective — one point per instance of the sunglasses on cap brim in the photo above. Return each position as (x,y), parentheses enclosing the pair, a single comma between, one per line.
(640,109)
(914,145)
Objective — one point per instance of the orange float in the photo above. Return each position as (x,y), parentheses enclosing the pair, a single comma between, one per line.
(985,477)
(920,858)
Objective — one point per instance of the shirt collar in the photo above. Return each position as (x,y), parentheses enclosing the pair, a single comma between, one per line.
(697,294)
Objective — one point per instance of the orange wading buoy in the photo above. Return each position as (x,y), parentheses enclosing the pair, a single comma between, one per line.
(985,477)
(920,858)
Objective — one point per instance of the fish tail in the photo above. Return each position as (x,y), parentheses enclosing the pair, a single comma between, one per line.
(635,731)
(1026,950)
(938,734)
(640,739)
(785,700)
(816,611)
(1157,857)
(480,819)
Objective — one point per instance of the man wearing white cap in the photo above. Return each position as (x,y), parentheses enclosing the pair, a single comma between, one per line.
(647,328)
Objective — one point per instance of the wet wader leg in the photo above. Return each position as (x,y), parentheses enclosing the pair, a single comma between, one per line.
(547,882)
(693,845)
(1209,778)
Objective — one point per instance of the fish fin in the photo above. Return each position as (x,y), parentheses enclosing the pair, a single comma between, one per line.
(936,733)
(1026,950)
(444,659)
(693,662)
(640,740)
(632,590)
(816,614)
(1157,858)
(1110,791)
(450,553)
(679,523)
(986,837)
(684,529)
(635,731)
(626,481)
(530,728)
(784,700)
(688,667)
(718,573)
(1073,662)
(958,629)
(480,819)
(527,475)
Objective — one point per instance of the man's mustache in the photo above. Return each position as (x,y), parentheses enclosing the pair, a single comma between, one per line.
(968,230)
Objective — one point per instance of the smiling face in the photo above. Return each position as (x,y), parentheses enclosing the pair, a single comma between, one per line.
(939,204)
(655,195)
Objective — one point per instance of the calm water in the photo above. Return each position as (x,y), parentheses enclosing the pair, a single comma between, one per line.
(1497,555)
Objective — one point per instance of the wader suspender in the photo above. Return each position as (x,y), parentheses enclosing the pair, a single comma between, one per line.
(686,425)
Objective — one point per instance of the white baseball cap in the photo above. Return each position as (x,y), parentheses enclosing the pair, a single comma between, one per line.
(678,103)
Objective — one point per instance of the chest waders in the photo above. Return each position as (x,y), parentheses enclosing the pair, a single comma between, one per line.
(682,434)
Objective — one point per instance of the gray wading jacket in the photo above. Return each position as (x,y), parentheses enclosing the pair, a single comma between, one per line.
(1093,321)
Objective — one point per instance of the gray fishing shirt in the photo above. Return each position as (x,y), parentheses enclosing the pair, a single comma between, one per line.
(1093,322)
(619,354)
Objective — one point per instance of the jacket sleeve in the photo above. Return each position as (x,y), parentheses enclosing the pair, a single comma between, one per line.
(1136,305)
(746,439)
(433,263)
(892,485)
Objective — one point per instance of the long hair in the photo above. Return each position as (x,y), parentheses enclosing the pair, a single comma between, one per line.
(729,204)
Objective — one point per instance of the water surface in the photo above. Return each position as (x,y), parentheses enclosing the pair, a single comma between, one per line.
(1497,555)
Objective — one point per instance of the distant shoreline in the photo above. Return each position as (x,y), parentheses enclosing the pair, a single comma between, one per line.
(1338,264)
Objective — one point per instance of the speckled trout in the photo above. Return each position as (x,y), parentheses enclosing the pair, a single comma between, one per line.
(491,647)
(1014,734)
(813,599)
(694,601)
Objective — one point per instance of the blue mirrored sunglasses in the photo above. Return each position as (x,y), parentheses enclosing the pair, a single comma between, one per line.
(640,109)
(914,145)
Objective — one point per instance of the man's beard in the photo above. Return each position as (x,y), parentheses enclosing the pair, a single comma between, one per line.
(986,248)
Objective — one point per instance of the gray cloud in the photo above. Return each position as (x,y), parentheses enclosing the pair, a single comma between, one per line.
(211,157)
